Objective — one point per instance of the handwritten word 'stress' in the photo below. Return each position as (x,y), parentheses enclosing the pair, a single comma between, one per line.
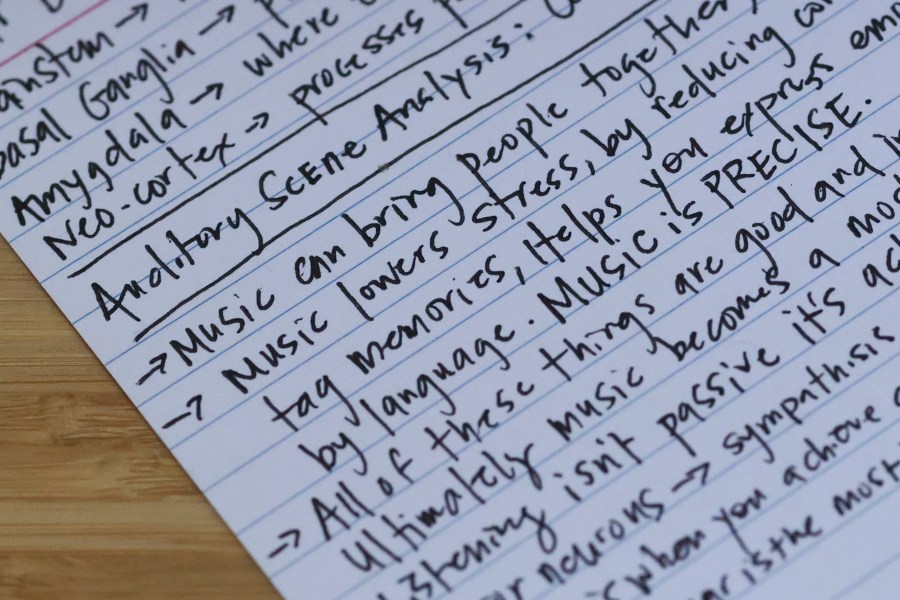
(488,299)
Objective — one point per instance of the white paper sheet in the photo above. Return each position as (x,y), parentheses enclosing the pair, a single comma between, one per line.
(488,299)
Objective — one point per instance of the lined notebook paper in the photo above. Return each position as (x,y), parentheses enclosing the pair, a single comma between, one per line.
(488,299)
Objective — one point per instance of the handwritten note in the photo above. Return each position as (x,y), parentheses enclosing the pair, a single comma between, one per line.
(488,299)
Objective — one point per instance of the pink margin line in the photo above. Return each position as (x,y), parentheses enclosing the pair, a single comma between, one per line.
(52,32)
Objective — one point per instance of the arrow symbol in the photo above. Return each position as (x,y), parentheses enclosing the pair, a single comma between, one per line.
(290,533)
(226,14)
(702,470)
(213,88)
(260,120)
(138,10)
(195,402)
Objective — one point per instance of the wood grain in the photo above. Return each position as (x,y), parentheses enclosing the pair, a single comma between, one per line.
(92,505)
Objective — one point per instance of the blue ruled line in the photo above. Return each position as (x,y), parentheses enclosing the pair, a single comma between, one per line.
(98,66)
(821,539)
(352,394)
(616,348)
(590,364)
(259,205)
(305,298)
(723,475)
(153,92)
(413,290)
(250,150)
(634,401)
(866,576)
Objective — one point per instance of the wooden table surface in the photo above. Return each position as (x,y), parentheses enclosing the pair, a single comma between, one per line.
(92,505)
